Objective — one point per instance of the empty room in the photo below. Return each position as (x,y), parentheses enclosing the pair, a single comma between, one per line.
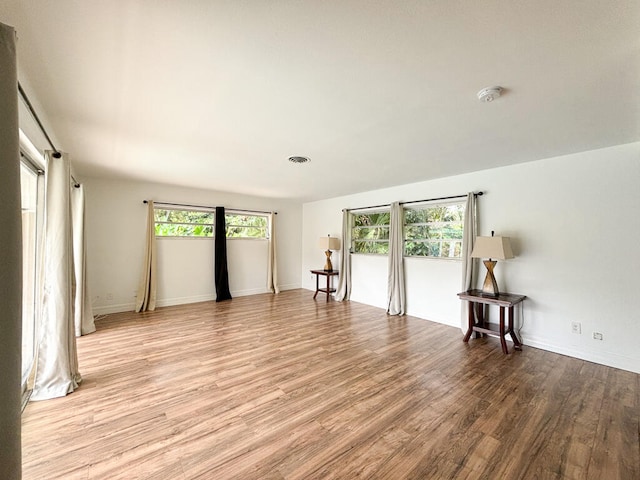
(319,240)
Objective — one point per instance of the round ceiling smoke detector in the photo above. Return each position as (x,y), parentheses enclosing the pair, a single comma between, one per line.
(297,159)
(489,94)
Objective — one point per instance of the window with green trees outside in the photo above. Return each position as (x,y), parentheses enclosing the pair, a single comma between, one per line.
(171,222)
(246,226)
(434,230)
(370,233)
(183,223)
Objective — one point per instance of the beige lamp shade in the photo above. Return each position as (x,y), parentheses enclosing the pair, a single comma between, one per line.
(329,243)
(492,247)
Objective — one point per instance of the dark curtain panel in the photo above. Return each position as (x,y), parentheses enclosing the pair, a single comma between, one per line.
(221,273)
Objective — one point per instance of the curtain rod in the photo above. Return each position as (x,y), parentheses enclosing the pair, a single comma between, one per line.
(477,194)
(207,206)
(56,152)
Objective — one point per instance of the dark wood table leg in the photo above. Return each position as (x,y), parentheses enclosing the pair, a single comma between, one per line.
(503,341)
(517,345)
(328,288)
(317,286)
(480,317)
(467,335)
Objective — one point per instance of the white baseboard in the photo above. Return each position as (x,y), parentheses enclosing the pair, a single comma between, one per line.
(167,302)
(609,359)
(289,286)
(117,308)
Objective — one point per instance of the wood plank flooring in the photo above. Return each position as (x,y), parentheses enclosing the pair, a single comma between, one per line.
(284,387)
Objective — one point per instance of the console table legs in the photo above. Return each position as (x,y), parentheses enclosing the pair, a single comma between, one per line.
(514,336)
(326,290)
(478,325)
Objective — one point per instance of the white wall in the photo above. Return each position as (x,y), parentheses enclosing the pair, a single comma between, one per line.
(574,225)
(116,220)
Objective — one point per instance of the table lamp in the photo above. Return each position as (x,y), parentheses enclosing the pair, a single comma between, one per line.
(329,243)
(491,247)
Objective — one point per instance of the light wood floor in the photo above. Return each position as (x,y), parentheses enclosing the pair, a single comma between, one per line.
(283,387)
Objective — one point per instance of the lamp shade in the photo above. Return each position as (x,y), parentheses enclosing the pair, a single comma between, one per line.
(492,247)
(329,243)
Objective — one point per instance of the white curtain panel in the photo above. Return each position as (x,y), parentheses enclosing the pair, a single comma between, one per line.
(83,311)
(146,297)
(56,372)
(470,231)
(272,266)
(10,260)
(343,290)
(396,304)
(40,269)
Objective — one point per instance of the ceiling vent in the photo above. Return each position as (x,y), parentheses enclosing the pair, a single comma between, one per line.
(297,159)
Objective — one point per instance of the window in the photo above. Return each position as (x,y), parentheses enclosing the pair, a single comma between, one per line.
(246,226)
(434,230)
(370,233)
(29,194)
(170,222)
(183,223)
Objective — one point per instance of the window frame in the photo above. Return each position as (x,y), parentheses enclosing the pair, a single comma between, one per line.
(440,224)
(355,227)
(33,168)
(157,222)
(266,228)
(240,213)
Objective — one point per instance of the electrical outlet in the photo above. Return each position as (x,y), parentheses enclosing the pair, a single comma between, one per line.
(597,336)
(576,327)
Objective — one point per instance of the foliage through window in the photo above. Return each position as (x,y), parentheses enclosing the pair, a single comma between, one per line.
(246,226)
(434,230)
(171,222)
(183,223)
(370,233)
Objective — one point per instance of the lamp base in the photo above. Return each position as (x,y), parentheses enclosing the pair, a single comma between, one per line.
(328,267)
(490,286)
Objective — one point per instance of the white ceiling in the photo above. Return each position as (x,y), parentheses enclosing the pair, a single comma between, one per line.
(217,94)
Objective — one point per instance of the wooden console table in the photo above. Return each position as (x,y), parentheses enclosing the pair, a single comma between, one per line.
(478,319)
(328,289)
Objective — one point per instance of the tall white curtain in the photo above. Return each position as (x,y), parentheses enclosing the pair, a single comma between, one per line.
(10,260)
(469,234)
(396,288)
(272,265)
(83,311)
(146,297)
(56,366)
(39,274)
(343,290)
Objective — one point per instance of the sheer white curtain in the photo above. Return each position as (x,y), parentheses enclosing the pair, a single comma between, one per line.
(470,231)
(272,265)
(10,260)
(56,365)
(343,290)
(146,297)
(83,311)
(396,288)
